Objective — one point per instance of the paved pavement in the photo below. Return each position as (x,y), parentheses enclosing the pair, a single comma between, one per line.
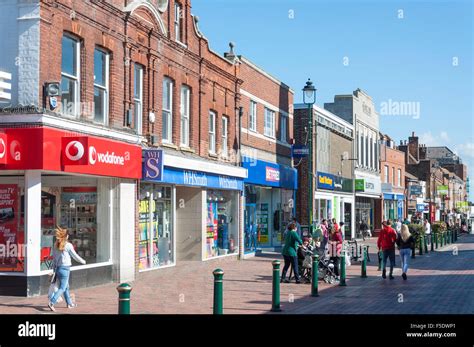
(438,282)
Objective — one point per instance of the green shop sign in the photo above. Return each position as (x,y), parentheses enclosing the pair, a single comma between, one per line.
(359,185)
(442,190)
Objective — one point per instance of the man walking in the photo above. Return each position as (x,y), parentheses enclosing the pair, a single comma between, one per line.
(427,227)
(386,242)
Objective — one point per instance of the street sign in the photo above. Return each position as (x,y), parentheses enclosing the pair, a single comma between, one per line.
(299,151)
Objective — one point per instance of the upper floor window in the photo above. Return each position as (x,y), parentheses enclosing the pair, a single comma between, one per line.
(399,177)
(212,132)
(184,110)
(101,86)
(138,97)
(70,76)
(393,176)
(283,128)
(253,116)
(386,173)
(167,109)
(225,125)
(178,22)
(269,126)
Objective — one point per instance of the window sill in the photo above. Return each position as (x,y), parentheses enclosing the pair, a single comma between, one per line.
(213,155)
(181,44)
(253,131)
(169,145)
(270,137)
(187,149)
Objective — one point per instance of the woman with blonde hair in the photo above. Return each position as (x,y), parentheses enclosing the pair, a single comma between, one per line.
(405,243)
(62,253)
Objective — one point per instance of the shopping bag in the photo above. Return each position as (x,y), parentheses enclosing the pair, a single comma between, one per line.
(53,288)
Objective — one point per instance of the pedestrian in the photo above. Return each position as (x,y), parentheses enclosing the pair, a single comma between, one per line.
(405,243)
(335,243)
(324,234)
(334,224)
(62,252)
(290,254)
(406,221)
(427,229)
(386,242)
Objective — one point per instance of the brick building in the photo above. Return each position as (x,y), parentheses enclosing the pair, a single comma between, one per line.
(96,87)
(333,168)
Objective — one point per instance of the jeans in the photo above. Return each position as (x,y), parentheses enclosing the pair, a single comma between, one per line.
(290,261)
(405,255)
(389,253)
(62,275)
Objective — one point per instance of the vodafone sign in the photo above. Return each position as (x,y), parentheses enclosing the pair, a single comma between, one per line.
(56,150)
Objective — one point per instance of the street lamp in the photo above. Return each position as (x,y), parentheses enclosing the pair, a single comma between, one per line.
(309,98)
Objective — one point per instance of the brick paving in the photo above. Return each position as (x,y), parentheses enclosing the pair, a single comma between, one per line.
(438,283)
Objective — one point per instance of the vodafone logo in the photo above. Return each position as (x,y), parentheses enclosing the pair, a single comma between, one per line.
(74,151)
(3,149)
(92,155)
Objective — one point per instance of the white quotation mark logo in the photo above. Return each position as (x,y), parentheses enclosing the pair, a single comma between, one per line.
(3,149)
(92,155)
(74,150)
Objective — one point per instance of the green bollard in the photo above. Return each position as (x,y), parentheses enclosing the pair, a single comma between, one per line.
(425,243)
(314,276)
(342,281)
(363,270)
(124,290)
(437,239)
(420,246)
(218,292)
(276,287)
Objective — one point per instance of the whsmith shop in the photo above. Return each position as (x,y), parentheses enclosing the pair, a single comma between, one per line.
(188,209)
(334,198)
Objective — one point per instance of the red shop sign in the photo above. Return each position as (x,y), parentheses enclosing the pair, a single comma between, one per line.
(58,150)
(3,148)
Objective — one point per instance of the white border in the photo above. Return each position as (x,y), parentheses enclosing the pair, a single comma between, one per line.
(265,103)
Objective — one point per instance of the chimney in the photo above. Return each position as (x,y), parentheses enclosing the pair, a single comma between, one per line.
(413,147)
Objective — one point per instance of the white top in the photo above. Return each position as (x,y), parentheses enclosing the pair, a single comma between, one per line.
(428,228)
(399,226)
(63,258)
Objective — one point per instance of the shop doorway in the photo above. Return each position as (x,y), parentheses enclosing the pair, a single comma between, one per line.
(347,221)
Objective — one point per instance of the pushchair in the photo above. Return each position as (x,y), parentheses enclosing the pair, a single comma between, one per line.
(326,267)
(305,263)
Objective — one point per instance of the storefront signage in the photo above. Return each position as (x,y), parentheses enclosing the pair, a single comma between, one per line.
(442,190)
(192,178)
(272,174)
(228,183)
(415,190)
(44,148)
(359,185)
(420,207)
(368,185)
(3,148)
(153,164)
(260,171)
(299,151)
(343,184)
(325,181)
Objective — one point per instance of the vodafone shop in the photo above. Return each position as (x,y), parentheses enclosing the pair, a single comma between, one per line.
(87,184)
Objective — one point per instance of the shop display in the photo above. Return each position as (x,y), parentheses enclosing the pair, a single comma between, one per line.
(9,227)
(262,221)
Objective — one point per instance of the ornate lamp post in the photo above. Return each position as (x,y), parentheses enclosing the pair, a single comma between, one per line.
(309,98)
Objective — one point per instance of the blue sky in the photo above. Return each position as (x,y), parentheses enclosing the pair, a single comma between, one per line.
(417,52)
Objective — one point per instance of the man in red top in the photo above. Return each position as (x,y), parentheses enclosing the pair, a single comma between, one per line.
(386,242)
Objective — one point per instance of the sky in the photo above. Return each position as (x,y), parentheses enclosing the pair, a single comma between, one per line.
(414,58)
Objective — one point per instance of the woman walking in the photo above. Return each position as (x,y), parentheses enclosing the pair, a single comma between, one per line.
(62,253)
(335,249)
(405,243)
(290,254)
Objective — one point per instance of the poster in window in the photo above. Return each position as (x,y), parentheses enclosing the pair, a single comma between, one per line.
(10,250)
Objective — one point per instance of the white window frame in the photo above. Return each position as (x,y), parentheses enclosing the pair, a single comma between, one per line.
(168,113)
(185,106)
(399,177)
(253,116)
(269,129)
(177,22)
(386,174)
(212,132)
(393,175)
(76,79)
(224,136)
(138,102)
(104,88)
(283,128)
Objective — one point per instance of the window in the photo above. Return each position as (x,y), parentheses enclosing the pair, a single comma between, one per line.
(225,123)
(359,152)
(269,127)
(70,76)
(185,107)
(371,153)
(283,128)
(167,109)
(399,177)
(212,132)
(393,175)
(253,116)
(138,98)
(386,174)
(366,151)
(101,86)
(177,22)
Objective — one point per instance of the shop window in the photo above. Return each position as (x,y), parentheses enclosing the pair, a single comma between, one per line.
(178,20)
(221,223)
(283,128)
(101,86)
(70,76)
(155,227)
(138,97)
(269,126)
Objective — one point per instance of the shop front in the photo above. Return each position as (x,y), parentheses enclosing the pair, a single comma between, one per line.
(269,203)
(51,177)
(368,194)
(189,210)
(393,203)
(334,198)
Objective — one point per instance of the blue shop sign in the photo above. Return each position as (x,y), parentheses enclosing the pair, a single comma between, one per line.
(152,168)
(270,174)
(325,181)
(201,179)
(420,207)
(299,151)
